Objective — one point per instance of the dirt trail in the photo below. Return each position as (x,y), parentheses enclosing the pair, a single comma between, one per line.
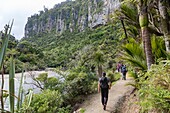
(116,96)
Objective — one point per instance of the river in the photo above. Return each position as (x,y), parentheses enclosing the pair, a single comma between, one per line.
(27,82)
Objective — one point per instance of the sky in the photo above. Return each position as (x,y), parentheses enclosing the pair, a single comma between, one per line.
(20,10)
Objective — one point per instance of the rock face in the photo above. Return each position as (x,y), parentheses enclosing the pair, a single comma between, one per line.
(71,16)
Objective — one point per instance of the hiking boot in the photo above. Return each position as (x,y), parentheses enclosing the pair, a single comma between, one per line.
(104,107)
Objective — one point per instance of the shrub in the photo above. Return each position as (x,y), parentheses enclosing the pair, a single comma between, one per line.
(155,89)
(117,76)
(78,83)
(47,102)
(111,76)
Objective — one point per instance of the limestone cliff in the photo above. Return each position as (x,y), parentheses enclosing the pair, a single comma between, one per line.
(72,16)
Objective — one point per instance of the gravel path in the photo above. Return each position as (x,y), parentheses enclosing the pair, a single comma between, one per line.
(116,96)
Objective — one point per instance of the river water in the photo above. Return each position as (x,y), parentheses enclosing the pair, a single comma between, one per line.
(27,82)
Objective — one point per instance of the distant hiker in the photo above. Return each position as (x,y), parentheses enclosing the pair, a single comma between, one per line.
(123,71)
(104,85)
(119,67)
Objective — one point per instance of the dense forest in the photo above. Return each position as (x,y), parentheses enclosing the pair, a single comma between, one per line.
(136,33)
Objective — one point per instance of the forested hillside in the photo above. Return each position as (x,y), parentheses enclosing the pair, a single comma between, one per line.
(77,48)
(67,30)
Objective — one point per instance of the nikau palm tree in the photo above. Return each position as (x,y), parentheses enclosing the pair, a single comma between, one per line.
(143,21)
(141,25)
(99,60)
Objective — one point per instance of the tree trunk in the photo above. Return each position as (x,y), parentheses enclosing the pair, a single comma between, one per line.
(143,20)
(100,70)
(148,48)
(164,22)
(126,37)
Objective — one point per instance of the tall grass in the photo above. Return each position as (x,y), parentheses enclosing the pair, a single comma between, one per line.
(5,38)
(20,92)
(12,85)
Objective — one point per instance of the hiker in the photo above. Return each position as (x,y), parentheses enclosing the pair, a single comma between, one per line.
(104,85)
(123,71)
(119,65)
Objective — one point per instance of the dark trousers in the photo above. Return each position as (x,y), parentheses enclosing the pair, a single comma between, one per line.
(123,75)
(104,95)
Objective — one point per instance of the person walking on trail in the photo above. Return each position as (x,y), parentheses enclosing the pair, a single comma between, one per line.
(119,65)
(104,85)
(123,71)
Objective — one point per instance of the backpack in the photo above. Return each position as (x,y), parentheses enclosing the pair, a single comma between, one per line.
(123,68)
(104,82)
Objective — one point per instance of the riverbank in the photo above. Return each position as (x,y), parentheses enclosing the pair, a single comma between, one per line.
(28,79)
(28,82)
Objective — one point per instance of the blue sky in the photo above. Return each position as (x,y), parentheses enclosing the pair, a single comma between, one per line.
(20,10)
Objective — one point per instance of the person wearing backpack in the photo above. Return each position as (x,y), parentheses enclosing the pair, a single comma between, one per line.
(119,65)
(104,85)
(123,71)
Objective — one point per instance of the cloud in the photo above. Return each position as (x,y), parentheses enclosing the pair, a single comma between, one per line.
(20,10)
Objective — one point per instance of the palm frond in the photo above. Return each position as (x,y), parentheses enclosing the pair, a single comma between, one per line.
(134,85)
(133,53)
(137,63)
(158,47)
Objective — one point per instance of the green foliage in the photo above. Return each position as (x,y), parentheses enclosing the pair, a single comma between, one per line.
(128,13)
(30,54)
(51,83)
(46,102)
(93,87)
(24,52)
(26,47)
(79,82)
(133,74)
(155,89)
(20,92)
(26,104)
(134,54)
(110,74)
(5,43)
(117,76)
(42,77)
(64,109)
(12,85)
(98,58)
(158,48)
(3,50)
(68,49)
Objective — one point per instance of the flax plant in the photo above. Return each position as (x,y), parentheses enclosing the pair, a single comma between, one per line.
(20,92)
(12,85)
(4,37)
